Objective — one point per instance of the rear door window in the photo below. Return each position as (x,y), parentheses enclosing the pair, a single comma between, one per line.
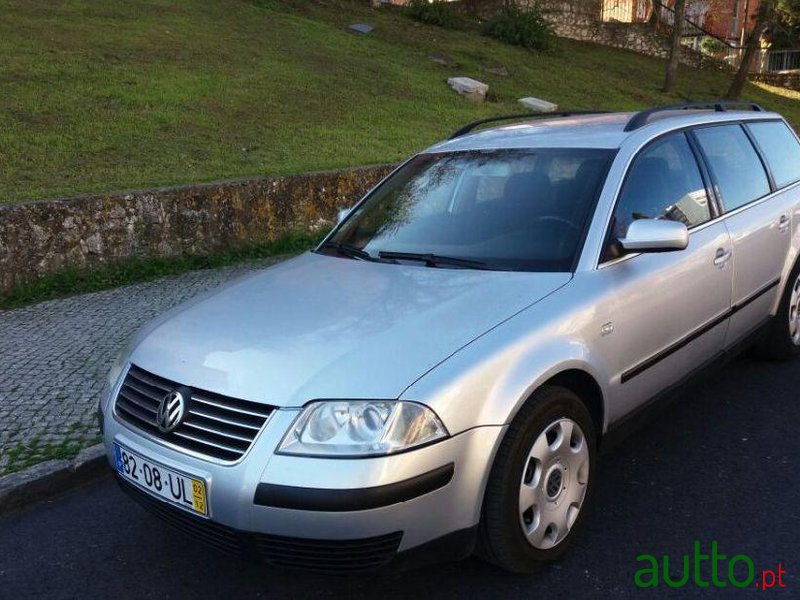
(735,165)
(780,149)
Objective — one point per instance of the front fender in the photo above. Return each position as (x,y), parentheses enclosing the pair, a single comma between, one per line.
(487,382)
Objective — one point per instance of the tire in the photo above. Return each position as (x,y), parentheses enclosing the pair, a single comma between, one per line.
(538,464)
(782,341)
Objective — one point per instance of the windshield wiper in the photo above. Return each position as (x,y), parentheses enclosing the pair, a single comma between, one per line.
(435,260)
(348,250)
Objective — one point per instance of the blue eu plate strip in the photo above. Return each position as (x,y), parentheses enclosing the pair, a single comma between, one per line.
(118,458)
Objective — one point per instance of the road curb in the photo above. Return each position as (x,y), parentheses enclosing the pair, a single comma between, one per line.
(51,478)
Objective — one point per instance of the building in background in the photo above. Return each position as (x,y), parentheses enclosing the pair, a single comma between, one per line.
(732,20)
(626,11)
(728,20)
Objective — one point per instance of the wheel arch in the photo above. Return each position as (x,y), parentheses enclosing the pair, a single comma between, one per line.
(585,387)
(789,265)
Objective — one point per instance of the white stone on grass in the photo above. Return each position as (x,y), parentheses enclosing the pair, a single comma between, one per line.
(469,88)
(363,28)
(537,104)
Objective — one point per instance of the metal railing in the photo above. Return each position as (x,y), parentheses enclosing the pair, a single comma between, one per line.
(782,60)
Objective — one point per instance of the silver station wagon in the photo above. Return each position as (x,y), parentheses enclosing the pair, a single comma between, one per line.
(436,378)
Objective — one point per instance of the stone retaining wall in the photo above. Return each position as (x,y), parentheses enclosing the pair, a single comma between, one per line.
(785,79)
(39,238)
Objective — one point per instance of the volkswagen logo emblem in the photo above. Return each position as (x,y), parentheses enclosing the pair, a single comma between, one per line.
(172,410)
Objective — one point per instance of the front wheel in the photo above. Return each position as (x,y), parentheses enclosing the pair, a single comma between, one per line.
(540,483)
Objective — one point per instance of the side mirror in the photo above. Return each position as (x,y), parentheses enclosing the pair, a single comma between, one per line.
(342,214)
(655,235)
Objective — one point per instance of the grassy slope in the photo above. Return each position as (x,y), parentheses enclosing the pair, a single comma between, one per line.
(106,95)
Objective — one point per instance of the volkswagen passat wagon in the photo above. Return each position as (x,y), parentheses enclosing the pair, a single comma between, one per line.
(436,376)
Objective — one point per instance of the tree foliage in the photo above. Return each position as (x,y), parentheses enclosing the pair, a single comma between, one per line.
(786,28)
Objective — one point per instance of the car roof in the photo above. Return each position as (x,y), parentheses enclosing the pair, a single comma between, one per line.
(599,130)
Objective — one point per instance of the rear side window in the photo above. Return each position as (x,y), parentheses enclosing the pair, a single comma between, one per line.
(663,183)
(780,149)
(735,165)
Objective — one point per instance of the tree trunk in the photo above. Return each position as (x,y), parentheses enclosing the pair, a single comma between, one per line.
(753,43)
(675,47)
(766,14)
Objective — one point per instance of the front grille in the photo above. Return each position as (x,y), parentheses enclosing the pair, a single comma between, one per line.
(333,557)
(215,426)
(329,556)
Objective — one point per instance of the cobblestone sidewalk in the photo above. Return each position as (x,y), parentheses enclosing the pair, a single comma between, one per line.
(55,355)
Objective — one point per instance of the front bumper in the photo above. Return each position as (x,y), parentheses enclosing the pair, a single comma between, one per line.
(333,557)
(342,513)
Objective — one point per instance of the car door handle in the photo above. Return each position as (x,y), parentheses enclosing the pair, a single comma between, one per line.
(722,257)
(784,223)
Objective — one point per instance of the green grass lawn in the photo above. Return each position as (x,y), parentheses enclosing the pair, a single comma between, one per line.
(104,95)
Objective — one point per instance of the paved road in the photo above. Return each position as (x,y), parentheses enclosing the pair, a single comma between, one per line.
(721,465)
(54,356)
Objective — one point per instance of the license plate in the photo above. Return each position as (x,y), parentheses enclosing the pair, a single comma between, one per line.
(168,484)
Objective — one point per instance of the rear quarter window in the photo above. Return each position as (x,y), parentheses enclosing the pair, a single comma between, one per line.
(780,149)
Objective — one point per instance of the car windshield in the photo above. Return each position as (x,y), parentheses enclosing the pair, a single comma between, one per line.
(524,210)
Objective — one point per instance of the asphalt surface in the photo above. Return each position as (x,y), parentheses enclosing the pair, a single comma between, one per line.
(720,465)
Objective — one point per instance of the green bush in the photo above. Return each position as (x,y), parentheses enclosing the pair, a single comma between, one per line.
(438,12)
(518,26)
(712,46)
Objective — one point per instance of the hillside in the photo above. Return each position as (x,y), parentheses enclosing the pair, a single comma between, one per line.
(107,95)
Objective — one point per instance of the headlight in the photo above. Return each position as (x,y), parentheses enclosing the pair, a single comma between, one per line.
(361,428)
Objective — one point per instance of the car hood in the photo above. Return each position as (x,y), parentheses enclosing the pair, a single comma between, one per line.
(318,326)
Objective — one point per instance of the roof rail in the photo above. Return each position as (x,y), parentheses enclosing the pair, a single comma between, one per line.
(640,118)
(567,113)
